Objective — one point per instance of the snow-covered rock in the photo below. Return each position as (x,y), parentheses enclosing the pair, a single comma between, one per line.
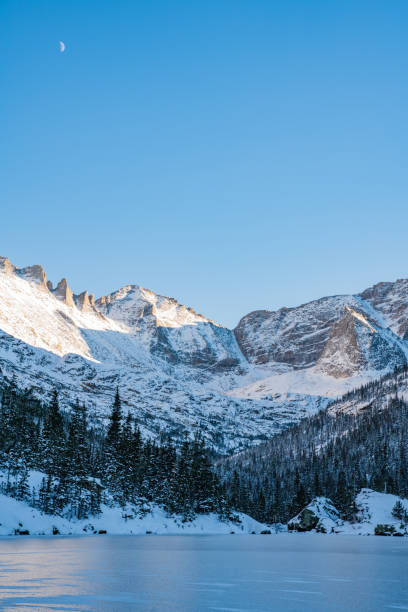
(373,509)
(320,516)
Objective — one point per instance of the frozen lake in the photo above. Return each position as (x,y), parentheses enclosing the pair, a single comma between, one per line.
(217,573)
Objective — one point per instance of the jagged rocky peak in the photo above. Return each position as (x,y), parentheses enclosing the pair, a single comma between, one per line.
(391,300)
(85,301)
(340,335)
(63,293)
(103,301)
(6,266)
(34,274)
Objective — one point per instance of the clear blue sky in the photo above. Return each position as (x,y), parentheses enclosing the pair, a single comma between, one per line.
(233,154)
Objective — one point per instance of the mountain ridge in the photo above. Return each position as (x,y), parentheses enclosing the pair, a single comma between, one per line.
(179,370)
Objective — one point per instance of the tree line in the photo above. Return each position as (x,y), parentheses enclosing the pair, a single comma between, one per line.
(85,466)
(335,454)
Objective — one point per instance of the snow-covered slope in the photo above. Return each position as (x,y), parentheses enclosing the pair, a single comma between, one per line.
(171,330)
(17,517)
(373,508)
(178,371)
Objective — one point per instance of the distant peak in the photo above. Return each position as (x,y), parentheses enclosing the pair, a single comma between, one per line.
(6,265)
(84,301)
(63,293)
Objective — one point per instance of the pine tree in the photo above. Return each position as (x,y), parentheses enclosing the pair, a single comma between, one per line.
(53,439)
(112,455)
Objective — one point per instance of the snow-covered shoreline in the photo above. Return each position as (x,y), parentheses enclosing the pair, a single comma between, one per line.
(373,509)
(17,518)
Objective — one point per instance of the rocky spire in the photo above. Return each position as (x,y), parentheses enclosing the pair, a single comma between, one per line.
(6,266)
(84,301)
(63,293)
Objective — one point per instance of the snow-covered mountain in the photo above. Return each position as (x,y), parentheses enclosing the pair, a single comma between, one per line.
(178,370)
(329,345)
(172,365)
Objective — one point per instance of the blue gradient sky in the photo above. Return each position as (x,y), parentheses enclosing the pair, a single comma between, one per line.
(233,154)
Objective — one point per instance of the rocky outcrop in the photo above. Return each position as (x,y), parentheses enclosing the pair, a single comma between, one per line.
(84,301)
(342,356)
(320,515)
(6,266)
(63,293)
(34,274)
(390,300)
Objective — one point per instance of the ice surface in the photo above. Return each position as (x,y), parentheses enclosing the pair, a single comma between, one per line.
(290,573)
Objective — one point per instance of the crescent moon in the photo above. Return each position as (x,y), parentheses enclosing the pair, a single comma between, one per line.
(62,46)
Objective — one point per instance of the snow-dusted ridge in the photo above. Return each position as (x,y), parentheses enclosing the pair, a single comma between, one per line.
(178,371)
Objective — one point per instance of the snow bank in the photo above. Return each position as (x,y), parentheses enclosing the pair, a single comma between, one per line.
(18,516)
(376,508)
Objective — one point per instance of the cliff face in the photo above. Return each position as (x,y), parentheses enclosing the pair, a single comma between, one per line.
(341,335)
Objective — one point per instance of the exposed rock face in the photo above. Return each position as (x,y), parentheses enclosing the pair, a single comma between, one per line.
(292,336)
(340,335)
(342,356)
(83,301)
(391,301)
(6,266)
(320,515)
(305,521)
(63,293)
(34,274)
